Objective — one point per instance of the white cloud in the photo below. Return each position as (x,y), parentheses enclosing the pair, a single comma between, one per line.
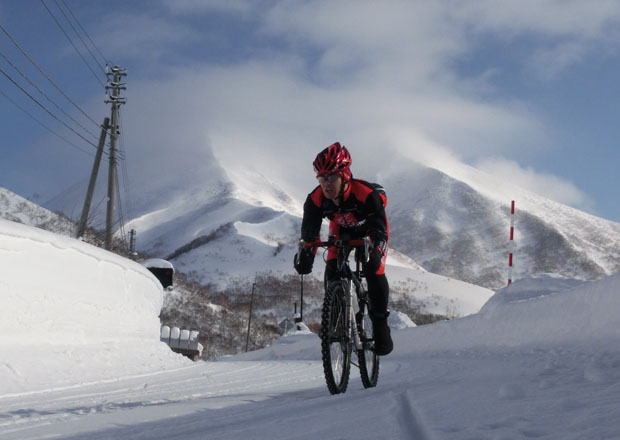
(547,185)
(374,75)
(393,41)
(561,32)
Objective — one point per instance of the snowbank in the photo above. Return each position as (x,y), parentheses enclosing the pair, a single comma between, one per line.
(400,321)
(68,306)
(546,310)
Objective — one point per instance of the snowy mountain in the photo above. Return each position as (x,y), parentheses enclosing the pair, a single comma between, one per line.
(456,227)
(250,228)
(16,208)
(459,227)
(226,226)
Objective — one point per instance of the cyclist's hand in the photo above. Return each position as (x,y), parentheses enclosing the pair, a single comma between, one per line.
(303,261)
(377,251)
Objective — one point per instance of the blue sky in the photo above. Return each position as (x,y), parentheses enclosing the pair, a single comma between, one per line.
(523,90)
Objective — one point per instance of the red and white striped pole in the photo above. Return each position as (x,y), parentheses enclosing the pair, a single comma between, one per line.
(512,236)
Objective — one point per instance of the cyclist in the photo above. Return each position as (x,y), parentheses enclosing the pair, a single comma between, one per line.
(355,209)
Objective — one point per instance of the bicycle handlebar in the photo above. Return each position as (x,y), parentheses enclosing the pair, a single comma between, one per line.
(336,243)
(365,242)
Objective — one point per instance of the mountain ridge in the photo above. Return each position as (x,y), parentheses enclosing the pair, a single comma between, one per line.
(452,221)
(459,230)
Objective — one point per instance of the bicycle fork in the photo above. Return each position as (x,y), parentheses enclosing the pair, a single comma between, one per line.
(352,305)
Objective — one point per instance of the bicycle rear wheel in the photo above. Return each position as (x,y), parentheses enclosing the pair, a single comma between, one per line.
(335,346)
(367,358)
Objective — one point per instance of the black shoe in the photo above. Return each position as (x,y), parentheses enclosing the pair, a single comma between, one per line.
(382,337)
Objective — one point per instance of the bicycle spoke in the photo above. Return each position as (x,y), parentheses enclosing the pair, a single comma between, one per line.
(367,358)
(334,345)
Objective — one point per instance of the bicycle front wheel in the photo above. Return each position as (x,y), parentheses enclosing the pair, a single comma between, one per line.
(335,344)
(367,358)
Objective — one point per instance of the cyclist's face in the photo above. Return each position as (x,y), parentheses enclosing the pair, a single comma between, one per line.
(331,186)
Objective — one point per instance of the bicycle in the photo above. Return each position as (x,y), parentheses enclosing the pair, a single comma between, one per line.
(345,322)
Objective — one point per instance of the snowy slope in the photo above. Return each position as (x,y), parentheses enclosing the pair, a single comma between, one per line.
(459,227)
(539,361)
(15,208)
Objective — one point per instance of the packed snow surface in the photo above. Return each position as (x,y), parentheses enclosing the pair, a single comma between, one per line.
(540,360)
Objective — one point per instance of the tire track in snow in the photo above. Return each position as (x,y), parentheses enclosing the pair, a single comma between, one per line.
(410,421)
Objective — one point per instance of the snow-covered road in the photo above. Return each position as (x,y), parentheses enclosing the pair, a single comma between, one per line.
(160,405)
(226,400)
(475,393)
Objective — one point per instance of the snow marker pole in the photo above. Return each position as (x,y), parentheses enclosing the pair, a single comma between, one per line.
(512,231)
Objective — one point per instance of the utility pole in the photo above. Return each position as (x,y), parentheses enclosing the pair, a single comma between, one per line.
(116,86)
(93,179)
(132,244)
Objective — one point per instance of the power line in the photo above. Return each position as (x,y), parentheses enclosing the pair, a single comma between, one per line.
(105,61)
(125,174)
(43,125)
(45,96)
(44,108)
(92,217)
(73,44)
(45,74)
(121,219)
(79,36)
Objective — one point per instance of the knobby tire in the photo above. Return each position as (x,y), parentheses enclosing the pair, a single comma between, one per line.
(335,346)
(367,358)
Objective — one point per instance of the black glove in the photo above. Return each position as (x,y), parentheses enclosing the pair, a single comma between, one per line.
(375,255)
(303,263)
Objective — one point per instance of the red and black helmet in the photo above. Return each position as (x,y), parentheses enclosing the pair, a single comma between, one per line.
(335,159)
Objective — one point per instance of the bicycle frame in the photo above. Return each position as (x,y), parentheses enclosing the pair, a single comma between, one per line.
(346,277)
(345,315)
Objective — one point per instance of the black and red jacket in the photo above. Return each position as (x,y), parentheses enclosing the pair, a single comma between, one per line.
(361,212)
